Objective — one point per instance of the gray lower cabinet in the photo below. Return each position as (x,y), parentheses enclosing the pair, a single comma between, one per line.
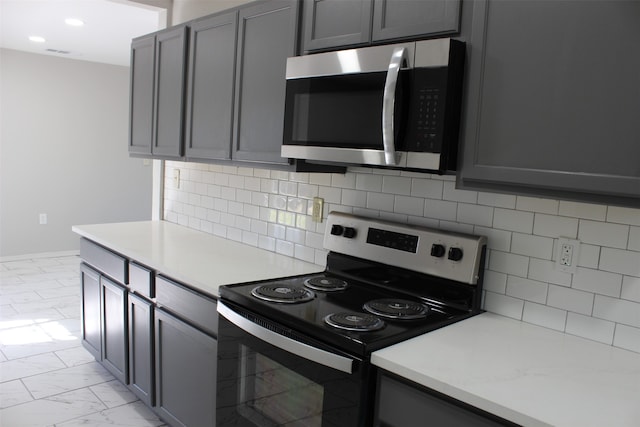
(212,54)
(104,321)
(553,101)
(141,351)
(91,311)
(186,363)
(400,403)
(114,329)
(266,37)
(330,24)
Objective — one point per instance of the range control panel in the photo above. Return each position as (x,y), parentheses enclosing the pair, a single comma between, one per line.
(450,255)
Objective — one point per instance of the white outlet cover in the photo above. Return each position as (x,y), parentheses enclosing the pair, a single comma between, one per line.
(572,267)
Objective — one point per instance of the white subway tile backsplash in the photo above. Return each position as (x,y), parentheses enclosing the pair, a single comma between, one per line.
(589,256)
(512,220)
(527,289)
(596,281)
(408,205)
(271,209)
(618,261)
(475,214)
(369,182)
(505,262)
(622,215)
(440,209)
(543,315)
(545,271)
(634,239)
(631,288)
(555,226)
(570,299)
(535,204)
(627,337)
(583,210)
(451,193)
(499,240)
(533,246)
(427,188)
(617,310)
(380,201)
(498,200)
(503,305)
(396,185)
(590,328)
(604,234)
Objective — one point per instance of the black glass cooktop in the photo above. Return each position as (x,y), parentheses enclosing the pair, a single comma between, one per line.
(308,316)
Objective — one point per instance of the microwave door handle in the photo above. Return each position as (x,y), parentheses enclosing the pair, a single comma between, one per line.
(388,104)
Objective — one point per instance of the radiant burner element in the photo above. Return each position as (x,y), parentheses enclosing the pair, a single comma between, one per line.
(361,322)
(327,284)
(400,309)
(277,292)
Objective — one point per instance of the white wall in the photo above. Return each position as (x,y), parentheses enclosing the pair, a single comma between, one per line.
(271,210)
(63,151)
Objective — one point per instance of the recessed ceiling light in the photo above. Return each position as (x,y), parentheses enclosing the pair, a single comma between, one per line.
(37,39)
(74,22)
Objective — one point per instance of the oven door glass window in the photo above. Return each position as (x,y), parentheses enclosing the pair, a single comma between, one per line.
(272,394)
(262,385)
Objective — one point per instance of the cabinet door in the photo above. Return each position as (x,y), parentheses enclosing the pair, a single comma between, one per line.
(410,18)
(91,311)
(212,46)
(141,95)
(170,71)
(267,36)
(553,100)
(141,361)
(114,329)
(185,372)
(334,23)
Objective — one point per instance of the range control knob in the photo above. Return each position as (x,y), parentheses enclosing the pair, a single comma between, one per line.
(455,254)
(349,232)
(437,250)
(337,230)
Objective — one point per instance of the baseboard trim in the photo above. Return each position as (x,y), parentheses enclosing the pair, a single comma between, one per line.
(40,255)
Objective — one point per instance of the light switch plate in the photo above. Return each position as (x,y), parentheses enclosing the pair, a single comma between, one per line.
(318,206)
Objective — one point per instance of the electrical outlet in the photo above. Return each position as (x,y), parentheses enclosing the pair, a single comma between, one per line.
(43,219)
(176,178)
(318,206)
(568,251)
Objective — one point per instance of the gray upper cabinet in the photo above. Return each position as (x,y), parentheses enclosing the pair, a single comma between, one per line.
(141,93)
(337,23)
(212,46)
(267,36)
(553,100)
(410,18)
(169,89)
(331,23)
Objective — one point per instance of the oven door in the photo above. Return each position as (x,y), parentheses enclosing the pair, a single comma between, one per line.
(266,379)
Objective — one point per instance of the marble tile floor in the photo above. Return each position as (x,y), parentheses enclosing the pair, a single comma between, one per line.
(46,377)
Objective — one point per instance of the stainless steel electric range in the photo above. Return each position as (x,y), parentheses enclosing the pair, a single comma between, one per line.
(295,351)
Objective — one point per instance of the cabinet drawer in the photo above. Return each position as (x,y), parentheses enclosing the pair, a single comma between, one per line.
(191,306)
(141,280)
(109,263)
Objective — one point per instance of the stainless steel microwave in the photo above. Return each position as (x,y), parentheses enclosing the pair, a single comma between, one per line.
(392,106)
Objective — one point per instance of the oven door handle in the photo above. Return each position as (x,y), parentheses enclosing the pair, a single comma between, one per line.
(305,351)
(398,57)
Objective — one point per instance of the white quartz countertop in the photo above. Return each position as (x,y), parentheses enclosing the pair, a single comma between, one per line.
(198,259)
(524,373)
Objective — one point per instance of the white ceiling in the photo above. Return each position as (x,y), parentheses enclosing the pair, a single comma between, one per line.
(109,26)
